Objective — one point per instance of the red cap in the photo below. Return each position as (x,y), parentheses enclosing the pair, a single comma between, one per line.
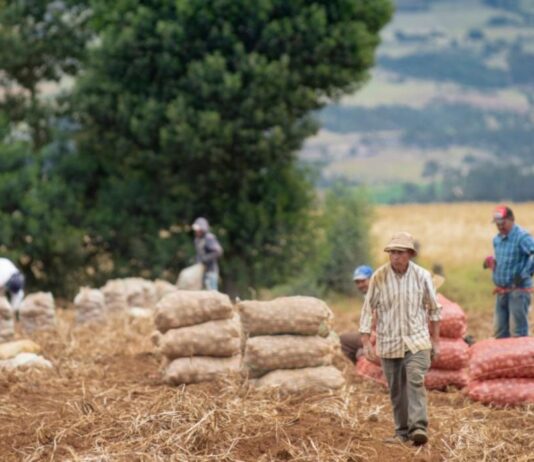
(501,212)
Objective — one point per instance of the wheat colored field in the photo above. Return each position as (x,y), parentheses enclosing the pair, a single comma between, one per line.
(451,234)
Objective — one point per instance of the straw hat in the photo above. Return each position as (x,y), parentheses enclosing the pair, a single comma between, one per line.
(401,241)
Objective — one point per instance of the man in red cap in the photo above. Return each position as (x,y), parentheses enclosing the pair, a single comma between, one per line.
(512,274)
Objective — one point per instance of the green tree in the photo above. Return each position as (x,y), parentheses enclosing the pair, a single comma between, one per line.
(199,108)
(346,221)
(38,218)
(41,41)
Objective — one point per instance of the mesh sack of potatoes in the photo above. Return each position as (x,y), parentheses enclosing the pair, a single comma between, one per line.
(163,288)
(453,319)
(7,325)
(115,298)
(140,292)
(370,370)
(201,369)
(309,379)
(441,379)
(269,352)
(213,338)
(286,315)
(89,304)
(502,392)
(502,358)
(186,308)
(453,354)
(37,312)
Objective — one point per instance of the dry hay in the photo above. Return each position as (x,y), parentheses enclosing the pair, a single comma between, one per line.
(105,401)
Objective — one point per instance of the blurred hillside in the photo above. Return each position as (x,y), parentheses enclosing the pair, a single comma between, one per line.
(448,111)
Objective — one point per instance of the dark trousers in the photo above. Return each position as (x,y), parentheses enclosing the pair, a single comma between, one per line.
(351,345)
(406,382)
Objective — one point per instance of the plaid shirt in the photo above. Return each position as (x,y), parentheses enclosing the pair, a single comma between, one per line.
(400,303)
(514,254)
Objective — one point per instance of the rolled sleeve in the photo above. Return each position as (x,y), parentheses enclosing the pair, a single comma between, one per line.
(366,316)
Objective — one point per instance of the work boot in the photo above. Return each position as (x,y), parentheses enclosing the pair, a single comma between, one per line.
(419,437)
(396,439)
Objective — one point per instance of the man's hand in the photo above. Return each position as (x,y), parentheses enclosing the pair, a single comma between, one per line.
(434,353)
(370,353)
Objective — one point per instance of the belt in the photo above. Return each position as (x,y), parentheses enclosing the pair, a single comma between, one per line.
(505,290)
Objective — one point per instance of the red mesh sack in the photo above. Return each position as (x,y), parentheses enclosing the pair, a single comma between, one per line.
(370,370)
(453,320)
(502,392)
(439,379)
(454,354)
(502,358)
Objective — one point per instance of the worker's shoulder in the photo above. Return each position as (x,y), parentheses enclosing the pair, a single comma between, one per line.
(420,271)
(380,274)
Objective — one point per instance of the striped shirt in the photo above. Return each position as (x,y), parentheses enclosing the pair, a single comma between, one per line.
(514,254)
(400,303)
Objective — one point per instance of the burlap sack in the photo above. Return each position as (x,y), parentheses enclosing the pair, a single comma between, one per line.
(191,278)
(115,297)
(163,288)
(11,349)
(37,312)
(270,352)
(213,338)
(140,292)
(310,379)
(286,315)
(200,369)
(186,308)
(89,305)
(7,325)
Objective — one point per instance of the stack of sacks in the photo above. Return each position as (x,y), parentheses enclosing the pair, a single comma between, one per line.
(115,298)
(90,305)
(140,293)
(501,371)
(199,334)
(287,346)
(7,325)
(163,288)
(37,312)
(449,369)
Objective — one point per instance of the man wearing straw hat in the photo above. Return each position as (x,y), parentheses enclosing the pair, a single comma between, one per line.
(402,297)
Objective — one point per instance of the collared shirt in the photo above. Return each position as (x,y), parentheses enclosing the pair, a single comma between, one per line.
(401,303)
(514,254)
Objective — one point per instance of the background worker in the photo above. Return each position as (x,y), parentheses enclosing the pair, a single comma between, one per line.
(11,282)
(351,342)
(403,299)
(208,251)
(512,274)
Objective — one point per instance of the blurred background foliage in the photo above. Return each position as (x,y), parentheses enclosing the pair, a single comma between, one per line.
(120,122)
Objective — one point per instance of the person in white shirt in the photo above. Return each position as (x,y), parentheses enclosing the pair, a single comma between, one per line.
(11,282)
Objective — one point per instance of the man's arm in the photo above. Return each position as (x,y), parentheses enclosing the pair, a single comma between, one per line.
(213,250)
(434,314)
(527,246)
(366,322)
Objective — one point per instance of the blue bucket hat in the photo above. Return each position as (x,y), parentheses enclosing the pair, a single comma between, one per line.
(362,272)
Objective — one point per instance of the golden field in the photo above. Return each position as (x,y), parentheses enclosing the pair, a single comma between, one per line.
(450,234)
(456,236)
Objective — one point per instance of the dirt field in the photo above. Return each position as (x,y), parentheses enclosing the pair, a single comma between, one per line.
(104,401)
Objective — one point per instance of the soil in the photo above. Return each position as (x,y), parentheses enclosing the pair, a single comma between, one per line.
(104,400)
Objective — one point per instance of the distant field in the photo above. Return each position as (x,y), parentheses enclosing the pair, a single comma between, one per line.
(457,236)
